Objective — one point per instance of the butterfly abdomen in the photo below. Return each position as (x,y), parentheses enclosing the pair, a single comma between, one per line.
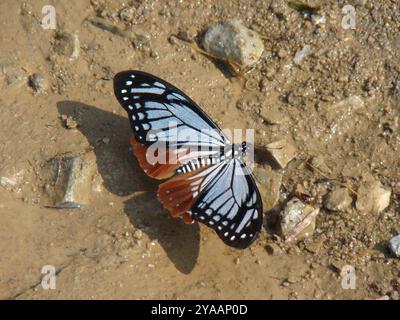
(201,162)
(198,163)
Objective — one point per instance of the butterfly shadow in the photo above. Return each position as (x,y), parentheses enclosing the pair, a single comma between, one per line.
(123,176)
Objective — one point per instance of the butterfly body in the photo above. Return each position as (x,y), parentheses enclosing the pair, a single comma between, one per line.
(226,153)
(206,177)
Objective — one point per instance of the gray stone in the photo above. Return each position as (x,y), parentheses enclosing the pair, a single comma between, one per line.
(318,19)
(231,41)
(372,197)
(69,179)
(10,178)
(127,14)
(297,220)
(11,75)
(37,82)
(138,234)
(69,122)
(338,200)
(269,183)
(281,151)
(394,245)
(352,102)
(302,54)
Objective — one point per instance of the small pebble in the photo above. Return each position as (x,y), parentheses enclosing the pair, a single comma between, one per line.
(273,249)
(37,82)
(394,245)
(127,13)
(154,54)
(281,151)
(138,234)
(68,122)
(372,197)
(318,19)
(302,54)
(298,220)
(269,185)
(230,40)
(338,200)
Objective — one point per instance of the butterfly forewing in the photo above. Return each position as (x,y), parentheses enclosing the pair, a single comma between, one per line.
(160,112)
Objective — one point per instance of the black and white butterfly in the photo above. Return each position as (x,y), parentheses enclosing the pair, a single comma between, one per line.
(207,179)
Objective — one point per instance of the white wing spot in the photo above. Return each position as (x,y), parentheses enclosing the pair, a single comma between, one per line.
(128,83)
(147,90)
(158,84)
(125,98)
(123,91)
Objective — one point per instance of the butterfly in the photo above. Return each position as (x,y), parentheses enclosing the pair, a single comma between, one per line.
(207,179)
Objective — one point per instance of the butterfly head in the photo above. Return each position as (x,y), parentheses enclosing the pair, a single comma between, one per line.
(239,150)
(243,148)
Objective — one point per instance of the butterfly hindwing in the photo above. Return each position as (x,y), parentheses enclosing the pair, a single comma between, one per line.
(155,170)
(180,192)
(230,204)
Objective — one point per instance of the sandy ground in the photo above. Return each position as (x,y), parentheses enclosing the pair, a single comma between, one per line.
(122,244)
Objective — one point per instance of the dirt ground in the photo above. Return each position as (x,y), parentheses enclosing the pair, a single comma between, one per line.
(122,243)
